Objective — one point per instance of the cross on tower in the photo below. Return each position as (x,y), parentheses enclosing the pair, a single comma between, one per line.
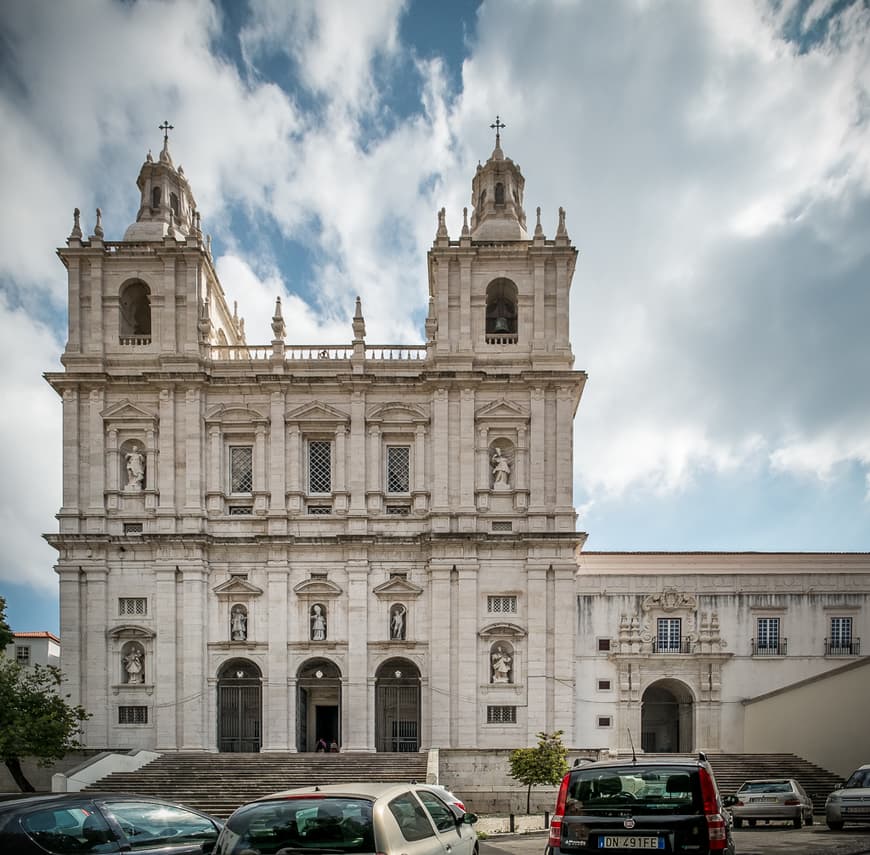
(166,128)
(498,125)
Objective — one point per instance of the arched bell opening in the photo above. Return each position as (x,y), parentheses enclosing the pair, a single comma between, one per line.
(501,308)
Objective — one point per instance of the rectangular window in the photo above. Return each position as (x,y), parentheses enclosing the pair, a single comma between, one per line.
(501,715)
(501,605)
(398,468)
(841,635)
(22,654)
(240,510)
(604,685)
(319,510)
(605,721)
(132,715)
(768,635)
(319,466)
(668,635)
(604,645)
(133,528)
(130,606)
(502,525)
(241,468)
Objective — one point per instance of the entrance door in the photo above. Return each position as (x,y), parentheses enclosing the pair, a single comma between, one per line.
(326,723)
(239,707)
(318,704)
(397,705)
(666,718)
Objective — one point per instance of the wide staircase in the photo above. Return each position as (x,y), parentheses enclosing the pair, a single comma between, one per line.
(732,770)
(219,783)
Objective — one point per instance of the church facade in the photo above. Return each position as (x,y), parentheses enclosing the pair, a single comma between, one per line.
(261,546)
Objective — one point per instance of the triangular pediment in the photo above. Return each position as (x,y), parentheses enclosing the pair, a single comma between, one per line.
(397,587)
(237,587)
(317,411)
(500,410)
(502,630)
(127,411)
(234,415)
(399,412)
(315,588)
(129,630)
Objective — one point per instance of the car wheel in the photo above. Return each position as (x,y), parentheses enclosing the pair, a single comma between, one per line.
(809,819)
(835,826)
(798,821)
(738,822)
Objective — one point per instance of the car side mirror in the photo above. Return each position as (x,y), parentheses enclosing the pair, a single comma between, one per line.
(470,818)
(728,801)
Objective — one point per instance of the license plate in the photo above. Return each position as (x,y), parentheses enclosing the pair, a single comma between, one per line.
(856,809)
(622,841)
(767,800)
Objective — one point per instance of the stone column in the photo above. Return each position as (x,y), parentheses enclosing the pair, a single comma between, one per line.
(465,320)
(357,728)
(74,340)
(294,481)
(340,459)
(260,486)
(357,474)
(441,707)
(465,440)
(538,438)
(165,664)
(540,316)
(484,470)
(97,322)
(193,658)
(71,461)
(440,451)
(166,334)
(97,676)
(564,451)
(277,725)
(419,459)
(193,459)
(114,462)
(563,620)
(373,476)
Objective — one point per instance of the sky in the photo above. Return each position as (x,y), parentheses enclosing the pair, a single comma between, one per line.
(713,159)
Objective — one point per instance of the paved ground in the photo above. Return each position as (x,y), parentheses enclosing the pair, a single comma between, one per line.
(762,840)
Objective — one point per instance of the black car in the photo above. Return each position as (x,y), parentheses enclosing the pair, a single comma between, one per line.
(663,805)
(66,823)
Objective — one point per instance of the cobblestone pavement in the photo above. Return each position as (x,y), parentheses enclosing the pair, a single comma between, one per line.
(764,840)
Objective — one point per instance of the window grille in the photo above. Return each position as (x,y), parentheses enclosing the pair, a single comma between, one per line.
(398,510)
(319,466)
(132,715)
(604,685)
(241,510)
(133,528)
(768,633)
(604,645)
(668,635)
(501,605)
(398,469)
(605,721)
(502,525)
(22,654)
(241,469)
(132,606)
(501,715)
(322,510)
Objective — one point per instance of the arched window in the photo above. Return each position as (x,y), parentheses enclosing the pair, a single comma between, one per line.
(134,323)
(499,193)
(481,199)
(155,197)
(501,663)
(501,309)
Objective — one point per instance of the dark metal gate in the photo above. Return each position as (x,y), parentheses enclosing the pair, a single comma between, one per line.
(239,707)
(397,705)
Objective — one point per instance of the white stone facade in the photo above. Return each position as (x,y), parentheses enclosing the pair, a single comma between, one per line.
(264,545)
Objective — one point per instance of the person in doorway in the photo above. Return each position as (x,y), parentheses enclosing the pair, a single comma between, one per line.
(333,747)
(321,746)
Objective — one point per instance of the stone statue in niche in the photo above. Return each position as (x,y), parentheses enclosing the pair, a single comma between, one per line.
(398,613)
(501,470)
(239,624)
(134,666)
(501,661)
(318,623)
(135,461)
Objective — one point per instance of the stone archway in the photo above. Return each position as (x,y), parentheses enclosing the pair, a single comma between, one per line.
(239,706)
(397,706)
(318,704)
(667,718)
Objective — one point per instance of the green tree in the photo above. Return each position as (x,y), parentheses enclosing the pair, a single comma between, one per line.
(6,635)
(543,764)
(35,720)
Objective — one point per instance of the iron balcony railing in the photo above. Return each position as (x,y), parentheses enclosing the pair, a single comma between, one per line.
(843,647)
(684,645)
(770,648)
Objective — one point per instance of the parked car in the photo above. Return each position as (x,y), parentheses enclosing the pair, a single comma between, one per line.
(852,802)
(448,797)
(63,823)
(665,804)
(771,799)
(350,818)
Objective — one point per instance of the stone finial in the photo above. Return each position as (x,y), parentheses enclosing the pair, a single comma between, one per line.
(539,231)
(149,157)
(465,231)
(77,225)
(562,231)
(442,223)
(279,328)
(98,228)
(431,321)
(242,330)
(208,244)
(359,324)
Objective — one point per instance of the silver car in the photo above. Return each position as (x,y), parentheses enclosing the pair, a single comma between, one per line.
(852,802)
(771,799)
(357,819)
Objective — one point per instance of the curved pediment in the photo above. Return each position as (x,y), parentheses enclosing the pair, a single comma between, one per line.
(317,588)
(236,587)
(502,410)
(130,630)
(502,630)
(234,415)
(316,412)
(127,411)
(397,587)
(398,412)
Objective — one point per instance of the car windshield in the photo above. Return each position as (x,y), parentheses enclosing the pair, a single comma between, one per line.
(765,787)
(325,825)
(860,778)
(654,789)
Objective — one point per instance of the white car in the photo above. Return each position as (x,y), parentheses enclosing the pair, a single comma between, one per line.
(852,802)
(357,819)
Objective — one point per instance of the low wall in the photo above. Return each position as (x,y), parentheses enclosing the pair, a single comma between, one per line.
(482,780)
(94,768)
(40,776)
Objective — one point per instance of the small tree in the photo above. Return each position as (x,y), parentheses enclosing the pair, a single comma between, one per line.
(6,635)
(544,764)
(35,720)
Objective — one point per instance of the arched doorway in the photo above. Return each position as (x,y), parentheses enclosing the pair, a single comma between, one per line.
(667,718)
(240,706)
(318,704)
(397,706)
